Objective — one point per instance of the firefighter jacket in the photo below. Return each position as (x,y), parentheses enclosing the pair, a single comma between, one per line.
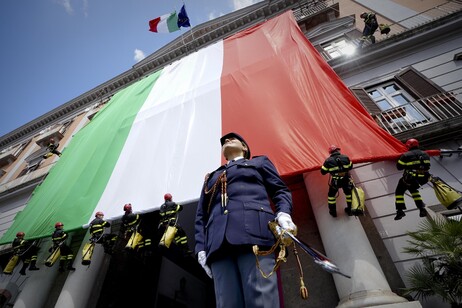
(52,146)
(168,211)
(415,163)
(58,237)
(20,246)
(130,221)
(337,165)
(97,226)
(371,20)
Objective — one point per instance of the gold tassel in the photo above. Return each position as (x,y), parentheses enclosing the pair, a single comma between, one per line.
(303,289)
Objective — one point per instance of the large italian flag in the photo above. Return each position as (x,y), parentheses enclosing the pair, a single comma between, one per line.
(162,133)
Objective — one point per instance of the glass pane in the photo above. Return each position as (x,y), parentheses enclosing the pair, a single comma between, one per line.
(400,99)
(391,88)
(383,104)
(334,54)
(374,94)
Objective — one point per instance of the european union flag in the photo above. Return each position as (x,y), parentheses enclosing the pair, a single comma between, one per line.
(183,19)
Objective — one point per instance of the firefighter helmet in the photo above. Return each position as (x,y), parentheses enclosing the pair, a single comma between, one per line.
(20,234)
(58,224)
(128,207)
(412,143)
(333,148)
(99,213)
(168,197)
(363,15)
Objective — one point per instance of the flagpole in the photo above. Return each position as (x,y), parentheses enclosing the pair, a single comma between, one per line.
(190,29)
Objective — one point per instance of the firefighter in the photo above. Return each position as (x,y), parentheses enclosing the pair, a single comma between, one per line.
(416,166)
(59,238)
(26,251)
(97,234)
(370,26)
(52,148)
(338,166)
(129,228)
(169,212)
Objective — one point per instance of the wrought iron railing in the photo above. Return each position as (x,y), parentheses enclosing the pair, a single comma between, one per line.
(422,18)
(425,111)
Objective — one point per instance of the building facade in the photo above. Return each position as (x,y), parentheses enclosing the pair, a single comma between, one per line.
(410,83)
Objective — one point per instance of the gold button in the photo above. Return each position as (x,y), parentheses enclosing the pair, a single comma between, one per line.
(226,212)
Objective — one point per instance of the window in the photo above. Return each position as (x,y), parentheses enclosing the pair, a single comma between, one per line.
(406,101)
(338,47)
(396,102)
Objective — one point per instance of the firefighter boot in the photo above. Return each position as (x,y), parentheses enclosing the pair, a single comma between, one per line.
(32,266)
(422,212)
(23,269)
(62,264)
(399,214)
(70,267)
(332,210)
(348,211)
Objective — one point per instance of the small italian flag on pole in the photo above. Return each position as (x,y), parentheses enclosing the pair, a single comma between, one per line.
(164,24)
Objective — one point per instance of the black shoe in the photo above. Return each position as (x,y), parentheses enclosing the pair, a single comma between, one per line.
(348,211)
(399,214)
(333,213)
(22,272)
(423,212)
(33,268)
(71,268)
(358,213)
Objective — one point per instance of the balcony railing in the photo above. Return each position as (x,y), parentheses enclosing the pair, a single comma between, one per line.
(422,18)
(426,111)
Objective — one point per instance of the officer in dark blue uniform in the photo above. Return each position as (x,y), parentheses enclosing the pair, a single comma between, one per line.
(232,215)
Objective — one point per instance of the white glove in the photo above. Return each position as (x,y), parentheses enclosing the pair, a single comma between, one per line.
(285,221)
(202,259)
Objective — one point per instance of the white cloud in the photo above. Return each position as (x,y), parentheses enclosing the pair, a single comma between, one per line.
(239,4)
(67,6)
(139,55)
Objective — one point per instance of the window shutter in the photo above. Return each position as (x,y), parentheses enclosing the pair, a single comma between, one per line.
(353,34)
(366,100)
(417,84)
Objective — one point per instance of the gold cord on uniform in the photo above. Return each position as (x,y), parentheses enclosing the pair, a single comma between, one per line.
(224,196)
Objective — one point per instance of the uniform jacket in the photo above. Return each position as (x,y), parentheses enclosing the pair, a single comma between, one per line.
(97,226)
(20,245)
(244,221)
(58,236)
(414,159)
(168,210)
(336,163)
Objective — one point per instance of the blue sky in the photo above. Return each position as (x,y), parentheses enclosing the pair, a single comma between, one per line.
(55,50)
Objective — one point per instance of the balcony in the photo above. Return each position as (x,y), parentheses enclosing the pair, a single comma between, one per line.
(440,113)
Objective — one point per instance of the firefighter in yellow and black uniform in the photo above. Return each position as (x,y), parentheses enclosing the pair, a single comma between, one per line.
(52,149)
(169,217)
(97,234)
(59,238)
(23,250)
(131,231)
(338,166)
(416,166)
